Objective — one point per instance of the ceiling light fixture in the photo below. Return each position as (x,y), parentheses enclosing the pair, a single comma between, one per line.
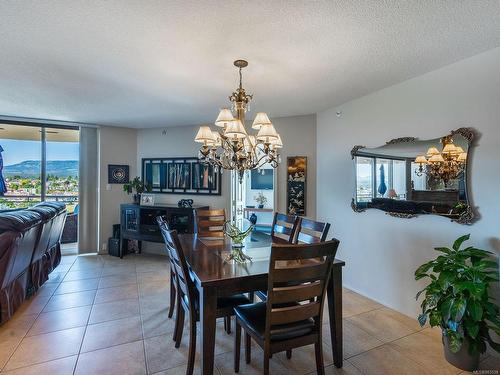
(232,148)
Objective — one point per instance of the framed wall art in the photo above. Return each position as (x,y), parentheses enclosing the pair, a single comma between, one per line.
(181,176)
(296,171)
(118,174)
(147,199)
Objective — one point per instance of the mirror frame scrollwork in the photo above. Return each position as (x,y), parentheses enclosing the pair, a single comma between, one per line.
(468,216)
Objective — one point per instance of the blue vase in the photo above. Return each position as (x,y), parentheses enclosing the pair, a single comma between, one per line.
(253,218)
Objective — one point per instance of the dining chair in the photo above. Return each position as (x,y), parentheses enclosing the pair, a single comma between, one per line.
(292,315)
(284,227)
(163,224)
(210,223)
(188,298)
(283,230)
(310,231)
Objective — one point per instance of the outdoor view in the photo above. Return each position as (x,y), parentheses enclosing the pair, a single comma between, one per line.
(21,153)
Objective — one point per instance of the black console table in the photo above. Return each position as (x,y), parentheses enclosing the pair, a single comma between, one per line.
(139,222)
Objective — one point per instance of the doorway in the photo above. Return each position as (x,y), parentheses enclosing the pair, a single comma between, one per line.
(254,199)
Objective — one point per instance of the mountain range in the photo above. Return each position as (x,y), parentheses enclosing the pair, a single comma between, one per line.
(31,168)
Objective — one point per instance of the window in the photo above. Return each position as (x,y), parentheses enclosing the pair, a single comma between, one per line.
(32,154)
(380,178)
(364,179)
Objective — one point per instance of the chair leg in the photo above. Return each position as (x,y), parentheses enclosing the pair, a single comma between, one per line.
(266,362)
(176,326)
(320,368)
(180,326)
(237,346)
(248,350)
(289,353)
(192,345)
(227,323)
(172,296)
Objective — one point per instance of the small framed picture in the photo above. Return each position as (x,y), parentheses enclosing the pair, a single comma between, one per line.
(147,199)
(118,174)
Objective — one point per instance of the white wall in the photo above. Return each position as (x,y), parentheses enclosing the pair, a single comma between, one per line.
(116,146)
(383,252)
(298,134)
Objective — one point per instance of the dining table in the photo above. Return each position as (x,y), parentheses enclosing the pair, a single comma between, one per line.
(215,276)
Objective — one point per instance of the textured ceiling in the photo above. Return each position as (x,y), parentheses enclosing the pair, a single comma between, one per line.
(165,63)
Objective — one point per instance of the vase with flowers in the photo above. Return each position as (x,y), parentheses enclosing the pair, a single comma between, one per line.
(260,199)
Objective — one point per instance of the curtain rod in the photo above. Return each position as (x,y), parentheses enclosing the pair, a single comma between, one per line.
(28,120)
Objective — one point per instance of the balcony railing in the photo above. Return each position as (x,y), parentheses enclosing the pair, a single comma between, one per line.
(9,201)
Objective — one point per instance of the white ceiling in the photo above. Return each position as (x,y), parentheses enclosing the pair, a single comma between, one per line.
(152,63)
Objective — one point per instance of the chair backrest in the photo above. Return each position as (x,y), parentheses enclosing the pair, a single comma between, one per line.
(185,286)
(310,231)
(163,225)
(284,227)
(210,223)
(298,273)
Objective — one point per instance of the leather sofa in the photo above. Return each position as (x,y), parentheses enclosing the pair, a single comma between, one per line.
(29,250)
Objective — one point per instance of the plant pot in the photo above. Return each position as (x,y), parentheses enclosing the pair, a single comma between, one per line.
(461,359)
(261,206)
(137,198)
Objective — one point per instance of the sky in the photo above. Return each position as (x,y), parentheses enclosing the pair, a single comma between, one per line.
(16,151)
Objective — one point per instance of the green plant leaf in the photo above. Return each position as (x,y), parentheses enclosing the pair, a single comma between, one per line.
(445,279)
(434,318)
(422,318)
(475,309)
(423,268)
(443,250)
(454,340)
(460,241)
(472,328)
(457,309)
(419,293)
(475,289)
(445,309)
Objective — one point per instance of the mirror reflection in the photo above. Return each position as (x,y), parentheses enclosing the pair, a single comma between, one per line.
(407,177)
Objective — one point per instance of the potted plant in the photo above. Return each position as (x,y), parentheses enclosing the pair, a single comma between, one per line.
(260,199)
(457,300)
(139,187)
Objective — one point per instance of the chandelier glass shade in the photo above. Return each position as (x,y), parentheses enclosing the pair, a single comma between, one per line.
(230,146)
(446,165)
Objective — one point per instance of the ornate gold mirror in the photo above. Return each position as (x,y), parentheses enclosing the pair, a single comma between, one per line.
(408,177)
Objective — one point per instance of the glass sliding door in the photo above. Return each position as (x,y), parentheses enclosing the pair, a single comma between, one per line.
(21,156)
(62,153)
(39,163)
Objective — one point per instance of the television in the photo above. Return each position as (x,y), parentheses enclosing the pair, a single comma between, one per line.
(262,179)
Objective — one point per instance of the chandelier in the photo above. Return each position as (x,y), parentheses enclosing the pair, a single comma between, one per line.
(446,165)
(231,147)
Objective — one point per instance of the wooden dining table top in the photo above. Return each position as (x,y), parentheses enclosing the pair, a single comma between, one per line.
(207,259)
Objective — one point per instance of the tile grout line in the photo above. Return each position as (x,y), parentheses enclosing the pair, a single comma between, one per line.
(85,330)
(31,325)
(146,367)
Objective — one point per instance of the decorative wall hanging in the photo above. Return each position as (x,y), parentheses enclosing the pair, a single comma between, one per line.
(296,185)
(408,177)
(181,176)
(118,174)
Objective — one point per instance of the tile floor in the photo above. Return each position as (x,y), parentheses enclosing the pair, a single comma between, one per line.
(103,315)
